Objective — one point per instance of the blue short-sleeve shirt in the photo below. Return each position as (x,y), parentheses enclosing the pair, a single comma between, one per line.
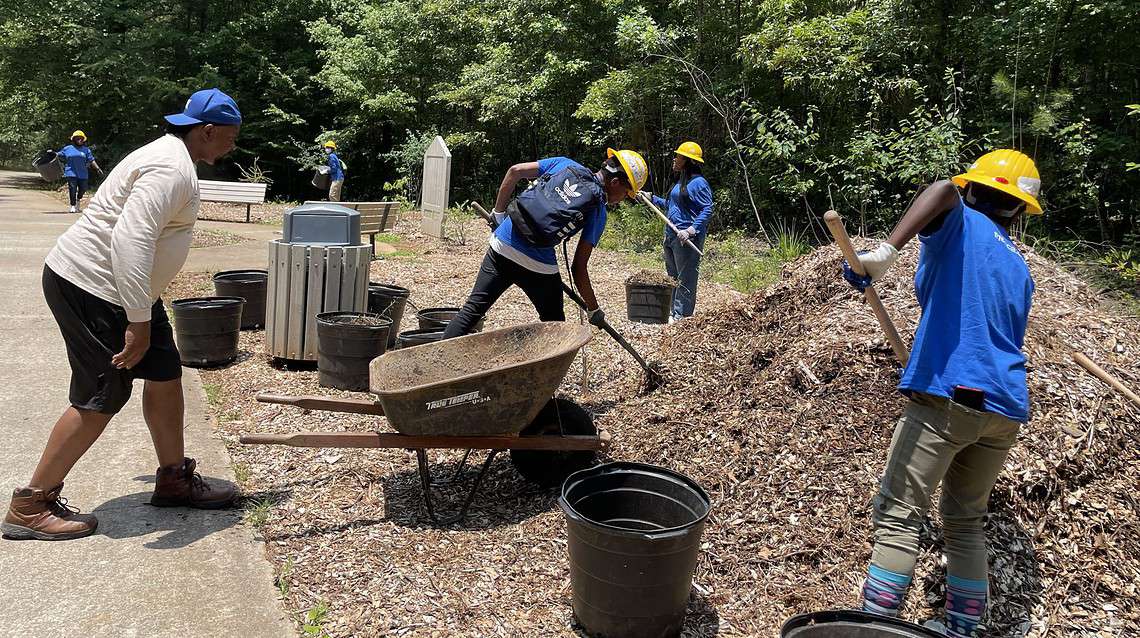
(75,161)
(975,291)
(513,246)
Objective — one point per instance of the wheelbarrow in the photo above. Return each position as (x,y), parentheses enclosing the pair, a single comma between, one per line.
(488,391)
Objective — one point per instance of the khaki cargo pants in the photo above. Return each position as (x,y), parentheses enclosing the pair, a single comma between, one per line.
(334,190)
(939,441)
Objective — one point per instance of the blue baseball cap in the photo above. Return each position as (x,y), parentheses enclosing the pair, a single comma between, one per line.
(208,106)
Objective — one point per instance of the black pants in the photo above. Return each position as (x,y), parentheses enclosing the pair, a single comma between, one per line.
(76,189)
(496,275)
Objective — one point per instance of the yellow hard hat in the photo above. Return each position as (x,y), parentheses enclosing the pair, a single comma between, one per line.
(635,168)
(79,134)
(691,150)
(330,144)
(1008,171)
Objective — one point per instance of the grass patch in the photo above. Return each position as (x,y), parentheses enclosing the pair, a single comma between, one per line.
(282,580)
(257,511)
(241,473)
(314,618)
(388,238)
(213,394)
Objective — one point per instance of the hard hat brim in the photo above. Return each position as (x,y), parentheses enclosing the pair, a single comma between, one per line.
(628,171)
(1032,206)
(691,156)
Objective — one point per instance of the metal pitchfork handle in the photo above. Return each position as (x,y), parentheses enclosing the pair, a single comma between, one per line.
(835,225)
(648,202)
(582,304)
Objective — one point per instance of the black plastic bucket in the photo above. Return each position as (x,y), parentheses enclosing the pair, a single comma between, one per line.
(249,285)
(345,348)
(206,329)
(634,535)
(410,338)
(647,303)
(389,301)
(438,318)
(848,623)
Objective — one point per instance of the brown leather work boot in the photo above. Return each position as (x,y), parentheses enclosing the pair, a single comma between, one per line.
(180,486)
(45,516)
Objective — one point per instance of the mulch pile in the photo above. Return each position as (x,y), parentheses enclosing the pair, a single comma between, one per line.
(780,404)
(785,416)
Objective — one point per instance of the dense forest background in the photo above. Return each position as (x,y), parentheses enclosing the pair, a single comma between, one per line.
(801,105)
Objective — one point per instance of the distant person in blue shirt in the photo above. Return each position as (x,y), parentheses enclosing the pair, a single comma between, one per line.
(690,207)
(513,260)
(965,379)
(336,171)
(76,157)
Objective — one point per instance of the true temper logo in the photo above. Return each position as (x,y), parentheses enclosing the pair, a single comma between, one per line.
(568,191)
(474,398)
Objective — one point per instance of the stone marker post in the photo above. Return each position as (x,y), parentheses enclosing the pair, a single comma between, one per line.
(436,187)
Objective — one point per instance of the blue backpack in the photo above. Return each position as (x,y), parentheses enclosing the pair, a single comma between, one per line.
(555,206)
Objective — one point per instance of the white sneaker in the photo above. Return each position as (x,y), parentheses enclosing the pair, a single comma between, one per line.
(71,209)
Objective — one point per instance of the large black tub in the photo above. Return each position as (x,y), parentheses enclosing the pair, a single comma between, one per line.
(249,285)
(206,329)
(634,535)
(848,623)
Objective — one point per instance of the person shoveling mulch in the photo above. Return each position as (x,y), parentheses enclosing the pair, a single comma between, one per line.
(786,415)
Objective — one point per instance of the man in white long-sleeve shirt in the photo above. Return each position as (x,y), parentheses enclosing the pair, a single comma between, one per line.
(102,282)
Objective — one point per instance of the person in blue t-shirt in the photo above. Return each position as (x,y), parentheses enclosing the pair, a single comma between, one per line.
(76,158)
(513,260)
(690,207)
(965,379)
(336,171)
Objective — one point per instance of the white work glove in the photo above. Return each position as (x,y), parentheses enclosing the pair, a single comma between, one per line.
(686,234)
(499,217)
(876,262)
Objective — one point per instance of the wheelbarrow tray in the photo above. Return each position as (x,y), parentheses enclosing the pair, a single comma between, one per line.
(488,384)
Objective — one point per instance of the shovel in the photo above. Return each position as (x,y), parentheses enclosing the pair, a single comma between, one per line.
(648,202)
(653,378)
(835,225)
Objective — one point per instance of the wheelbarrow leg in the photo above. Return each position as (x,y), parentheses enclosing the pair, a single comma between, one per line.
(455,474)
(425,479)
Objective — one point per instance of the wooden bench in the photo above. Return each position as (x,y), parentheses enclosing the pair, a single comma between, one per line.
(232,192)
(375,217)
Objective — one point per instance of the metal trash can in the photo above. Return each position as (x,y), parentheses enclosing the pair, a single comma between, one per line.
(318,266)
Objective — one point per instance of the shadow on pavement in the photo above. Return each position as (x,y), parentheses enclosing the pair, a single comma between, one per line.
(132,516)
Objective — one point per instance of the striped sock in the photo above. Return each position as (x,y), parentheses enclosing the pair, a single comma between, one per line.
(884,591)
(965,603)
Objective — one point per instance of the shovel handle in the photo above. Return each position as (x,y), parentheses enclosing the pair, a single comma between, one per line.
(649,203)
(1099,372)
(839,232)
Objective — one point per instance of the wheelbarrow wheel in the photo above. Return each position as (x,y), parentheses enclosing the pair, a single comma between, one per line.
(546,468)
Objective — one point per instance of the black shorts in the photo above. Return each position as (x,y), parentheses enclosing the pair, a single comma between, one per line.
(93,330)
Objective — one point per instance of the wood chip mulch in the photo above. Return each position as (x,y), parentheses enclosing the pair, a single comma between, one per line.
(780,404)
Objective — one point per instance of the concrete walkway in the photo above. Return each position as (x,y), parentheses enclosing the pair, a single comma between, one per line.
(147,571)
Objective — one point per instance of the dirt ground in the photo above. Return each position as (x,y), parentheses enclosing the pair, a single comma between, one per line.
(346,528)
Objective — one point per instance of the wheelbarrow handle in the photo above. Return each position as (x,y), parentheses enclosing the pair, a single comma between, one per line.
(330,404)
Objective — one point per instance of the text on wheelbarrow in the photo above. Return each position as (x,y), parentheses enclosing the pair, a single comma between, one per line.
(474,398)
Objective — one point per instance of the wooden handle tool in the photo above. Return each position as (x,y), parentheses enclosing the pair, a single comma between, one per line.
(839,232)
(1098,372)
(649,203)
